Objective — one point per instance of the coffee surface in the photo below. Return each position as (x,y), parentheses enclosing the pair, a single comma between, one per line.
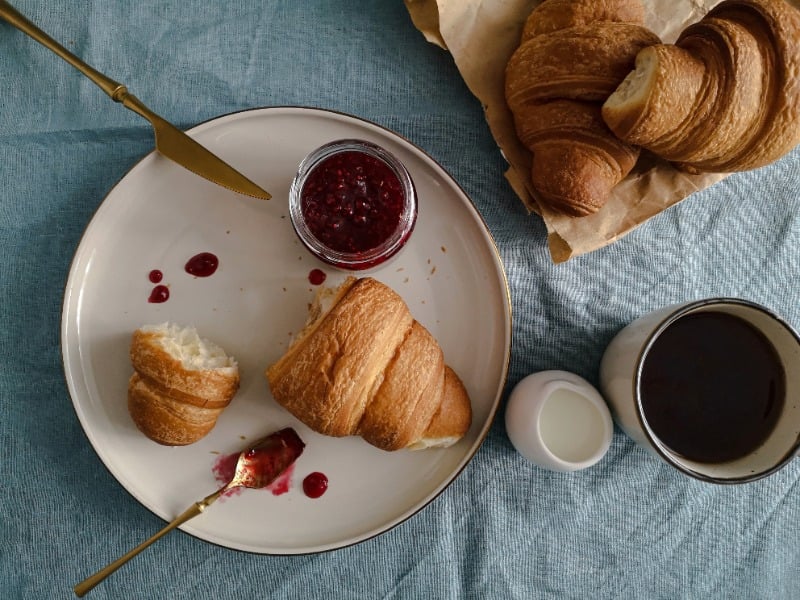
(712,387)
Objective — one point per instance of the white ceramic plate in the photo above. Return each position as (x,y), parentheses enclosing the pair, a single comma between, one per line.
(159,215)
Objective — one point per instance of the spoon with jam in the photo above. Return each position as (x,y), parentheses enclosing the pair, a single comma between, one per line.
(257,467)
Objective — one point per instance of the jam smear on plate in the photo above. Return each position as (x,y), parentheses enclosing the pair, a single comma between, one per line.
(269,465)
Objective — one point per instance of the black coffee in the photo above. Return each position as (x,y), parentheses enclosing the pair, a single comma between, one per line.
(712,387)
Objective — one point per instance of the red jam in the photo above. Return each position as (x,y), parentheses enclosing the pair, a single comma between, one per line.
(315,484)
(202,265)
(317,277)
(155,276)
(270,465)
(352,202)
(159,294)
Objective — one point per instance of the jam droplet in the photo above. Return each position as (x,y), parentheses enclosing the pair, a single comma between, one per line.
(315,484)
(352,202)
(159,294)
(317,277)
(202,265)
(155,276)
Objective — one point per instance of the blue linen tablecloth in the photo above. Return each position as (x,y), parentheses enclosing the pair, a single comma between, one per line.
(630,527)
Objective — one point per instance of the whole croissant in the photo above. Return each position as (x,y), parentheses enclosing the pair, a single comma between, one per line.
(364,366)
(725,97)
(181,383)
(572,56)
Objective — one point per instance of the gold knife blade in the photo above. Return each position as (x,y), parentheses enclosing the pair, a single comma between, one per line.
(180,148)
(169,140)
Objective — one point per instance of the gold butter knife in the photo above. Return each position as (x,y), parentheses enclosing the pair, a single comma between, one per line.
(170,141)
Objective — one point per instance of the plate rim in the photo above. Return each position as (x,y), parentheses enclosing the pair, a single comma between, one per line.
(67,303)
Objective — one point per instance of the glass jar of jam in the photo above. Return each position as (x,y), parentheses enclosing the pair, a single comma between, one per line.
(353,204)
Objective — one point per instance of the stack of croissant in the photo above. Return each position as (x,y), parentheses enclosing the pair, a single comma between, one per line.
(362,365)
(589,87)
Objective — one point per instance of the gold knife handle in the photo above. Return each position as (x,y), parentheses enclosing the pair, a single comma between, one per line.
(131,102)
(115,90)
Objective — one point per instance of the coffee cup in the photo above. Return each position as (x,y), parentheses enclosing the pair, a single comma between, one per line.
(711,386)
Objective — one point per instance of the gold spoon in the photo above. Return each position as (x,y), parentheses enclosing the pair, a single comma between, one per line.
(170,141)
(256,467)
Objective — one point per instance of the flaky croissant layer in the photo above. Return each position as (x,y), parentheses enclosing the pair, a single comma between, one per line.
(365,367)
(725,97)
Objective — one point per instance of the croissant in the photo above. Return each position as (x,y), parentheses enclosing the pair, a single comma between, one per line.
(572,56)
(180,385)
(363,366)
(725,97)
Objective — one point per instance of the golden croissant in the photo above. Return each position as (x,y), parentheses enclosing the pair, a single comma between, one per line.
(725,97)
(180,385)
(363,366)
(572,56)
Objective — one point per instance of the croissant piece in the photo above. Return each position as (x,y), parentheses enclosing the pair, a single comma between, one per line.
(572,56)
(364,366)
(553,15)
(586,62)
(181,383)
(451,420)
(725,97)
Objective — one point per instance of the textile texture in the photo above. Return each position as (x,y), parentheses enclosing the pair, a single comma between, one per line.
(629,527)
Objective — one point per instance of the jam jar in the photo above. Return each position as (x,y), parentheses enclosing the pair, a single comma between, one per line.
(353,204)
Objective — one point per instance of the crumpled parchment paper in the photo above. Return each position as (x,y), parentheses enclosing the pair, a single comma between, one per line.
(481,35)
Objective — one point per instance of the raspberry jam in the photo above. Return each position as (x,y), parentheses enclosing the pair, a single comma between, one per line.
(353,204)
(316,277)
(159,294)
(202,265)
(315,484)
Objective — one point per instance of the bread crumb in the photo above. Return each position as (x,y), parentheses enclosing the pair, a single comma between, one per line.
(444,249)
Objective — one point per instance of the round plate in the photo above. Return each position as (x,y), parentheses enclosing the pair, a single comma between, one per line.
(158,216)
